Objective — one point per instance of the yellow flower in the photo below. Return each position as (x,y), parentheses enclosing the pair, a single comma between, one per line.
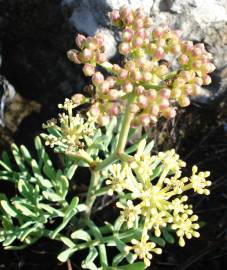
(143,250)
(157,220)
(171,160)
(199,182)
(130,212)
(177,206)
(185,227)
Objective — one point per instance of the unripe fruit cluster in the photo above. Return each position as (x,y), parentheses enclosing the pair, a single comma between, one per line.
(159,68)
(91,54)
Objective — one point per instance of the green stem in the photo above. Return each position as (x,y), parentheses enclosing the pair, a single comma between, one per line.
(125,125)
(82,155)
(106,162)
(125,237)
(94,185)
(128,116)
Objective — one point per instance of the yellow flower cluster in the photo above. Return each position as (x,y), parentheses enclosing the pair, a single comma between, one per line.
(67,133)
(156,187)
(143,250)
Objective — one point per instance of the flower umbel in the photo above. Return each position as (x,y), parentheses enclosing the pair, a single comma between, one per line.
(157,198)
(160,68)
(68,133)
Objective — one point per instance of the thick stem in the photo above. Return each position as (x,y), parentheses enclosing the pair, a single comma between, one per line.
(110,159)
(125,126)
(128,116)
(94,185)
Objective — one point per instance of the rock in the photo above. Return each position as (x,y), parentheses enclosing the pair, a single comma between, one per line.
(7,92)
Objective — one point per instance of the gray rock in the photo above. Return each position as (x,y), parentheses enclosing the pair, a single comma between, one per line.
(7,93)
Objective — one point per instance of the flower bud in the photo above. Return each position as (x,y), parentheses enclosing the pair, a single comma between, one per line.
(142,101)
(137,42)
(176,92)
(147,22)
(187,75)
(161,42)
(145,120)
(154,110)
(77,99)
(111,80)
(209,67)
(188,89)
(179,82)
(134,108)
(196,51)
(164,103)
(73,55)
(128,87)
(113,94)
(114,110)
(183,59)
(197,64)
(139,12)
(169,113)
(128,19)
(116,68)
(80,40)
(187,46)
(104,120)
(161,70)
(176,49)
(138,23)
(157,33)
(147,76)
(136,75)
(99,39)
(130,66)
(206,79)
(151,94)
(139,90)
(123,74)
(87,54)
(124,48)
(142,33)
(184,101)
(101,57)
(198,81)
(88,70)
(91,44)
(159,53)
(127,35)
(165,93)
(154,119)
(114,16)
(97,78)
(94,110)
(104,87)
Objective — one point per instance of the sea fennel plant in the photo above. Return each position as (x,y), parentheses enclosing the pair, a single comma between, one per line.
(159,71)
